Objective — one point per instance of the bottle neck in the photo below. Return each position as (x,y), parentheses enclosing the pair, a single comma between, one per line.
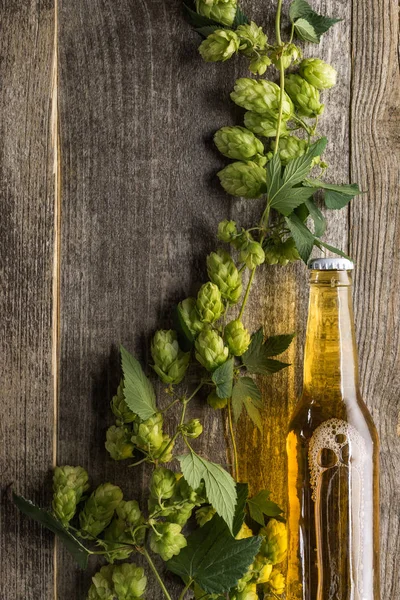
(331,359)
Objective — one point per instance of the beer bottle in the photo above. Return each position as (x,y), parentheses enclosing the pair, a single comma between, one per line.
(332,446)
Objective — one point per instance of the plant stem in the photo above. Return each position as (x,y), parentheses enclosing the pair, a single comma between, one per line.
(232,434)
(291,34)
(187,587)
(156,573)
(278,23)
(246,296)
(282,91)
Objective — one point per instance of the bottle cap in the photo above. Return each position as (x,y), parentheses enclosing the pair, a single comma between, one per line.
(330,264)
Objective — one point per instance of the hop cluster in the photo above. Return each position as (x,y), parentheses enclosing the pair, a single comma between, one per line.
(290,147)
(149,437)
(243,179)
(190,316)
(99,509)
(209,303)
(121,410)
(118,442)
(318,73)
(126,581)
(304,96)
(69,485)
(167,540)
(264,125)
(222,272)
(170,362)
(124,529)
(236,337)
(281,252)
(239,143)
(219,46)
(274,545)
(262,97)
(211,351)
(221,12)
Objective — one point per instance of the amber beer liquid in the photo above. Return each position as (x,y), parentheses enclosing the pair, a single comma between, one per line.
(332,446)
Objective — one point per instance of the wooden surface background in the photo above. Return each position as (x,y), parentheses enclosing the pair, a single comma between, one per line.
(109,207)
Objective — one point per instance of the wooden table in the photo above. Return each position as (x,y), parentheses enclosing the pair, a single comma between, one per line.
(109,207)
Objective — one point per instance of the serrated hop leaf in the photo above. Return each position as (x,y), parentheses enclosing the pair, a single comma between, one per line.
(252,254)
(129,581)
(69,484)
(204,514)
(276,583)
(170,362)
(318,73)
(274,545)
(264,125)
(165,453)
(259,64)
(223,272)
(99,509)
(210,350)
(289,54)
(282,253)
(120,408)
(190,315)
(243,179)
(252,38)
(261,96)
(290,147)
(223,12)
(227,231)
(148,435)
(192,429)
(236,337)
(305,96)
(167,540)
(219,46)
(102,587)
(249,592)
(209,303)
(118,443)
(215,401)
(162,484)
(238,143)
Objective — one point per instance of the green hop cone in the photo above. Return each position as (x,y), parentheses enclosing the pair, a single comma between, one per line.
(99,509)
(290,53)
(249,592)
(188,312)
(238,143)
(209,303)
(221,12)
(264,125)
(305,96)
(148,435)
(163,484)
(192,429)
(129,581)
(252,254)
(129,512)
(180,514)
(274,545)
(290,147)
(227,231)
(69,484)
(263,570)
(115,536)
(215,401)
(318,73)
(282,253)
(118,443)
(223,272)
(261,96)
(204,514)
(102,587)
(276,583)
(252,38)
(167,540)
(210,350)
(170,363)
(120,408)
(236,337)
(219,46)
(259,64)
(243,179)
(165,453)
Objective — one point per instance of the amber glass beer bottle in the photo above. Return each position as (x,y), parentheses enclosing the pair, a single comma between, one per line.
(332,446)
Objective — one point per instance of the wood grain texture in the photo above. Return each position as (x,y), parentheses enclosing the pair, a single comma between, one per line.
(26,265)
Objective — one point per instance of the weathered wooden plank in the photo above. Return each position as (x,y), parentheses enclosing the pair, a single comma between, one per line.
(26,247)
(375,235)
(139,212)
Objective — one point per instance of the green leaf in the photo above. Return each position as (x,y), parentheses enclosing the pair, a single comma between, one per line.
(220,485)
(260,505)
(223,379)
(138,391)
(207,30)
(302,236)
(240,18)
(287,200)
(256,358)
(336,196)
(274,169)
(213,558)
(317,217)
(48,520)
(297,169)
(299,8)
(320,244)
(336,200)
(242,491)
(276,344)
(185,336)
(246,394)
(305,31)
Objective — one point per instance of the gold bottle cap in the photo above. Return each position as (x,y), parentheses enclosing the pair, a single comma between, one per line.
(330,264)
